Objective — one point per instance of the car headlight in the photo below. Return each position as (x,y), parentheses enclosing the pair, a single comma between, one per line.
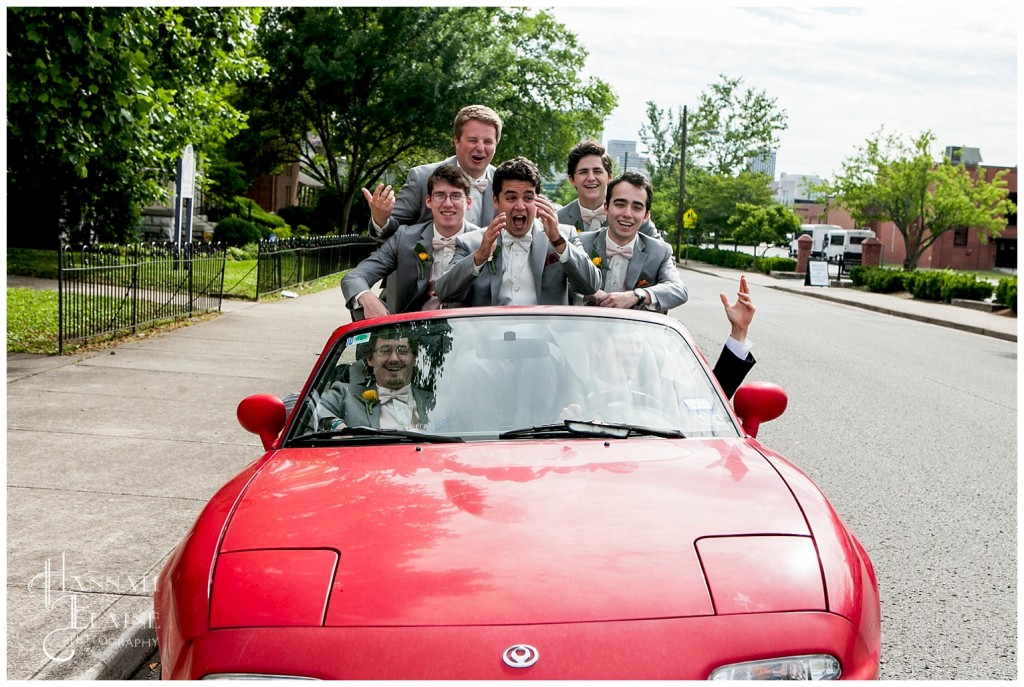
(813,667)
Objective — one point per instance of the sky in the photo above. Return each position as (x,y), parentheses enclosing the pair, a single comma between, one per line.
(839,73)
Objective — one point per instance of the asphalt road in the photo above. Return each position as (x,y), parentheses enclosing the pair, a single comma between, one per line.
(910,430)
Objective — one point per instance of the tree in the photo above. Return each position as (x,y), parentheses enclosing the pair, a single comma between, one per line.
(101,101)
(354,92)
(728,128)
(768,224)
(889,180)
(716,197)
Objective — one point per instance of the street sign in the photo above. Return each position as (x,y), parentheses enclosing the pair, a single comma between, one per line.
(690,219)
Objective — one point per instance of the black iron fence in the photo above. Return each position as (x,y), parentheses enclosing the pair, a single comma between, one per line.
(109,289)
(288,262)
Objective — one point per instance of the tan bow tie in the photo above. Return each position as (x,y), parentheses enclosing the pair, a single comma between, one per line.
(613,249)
(386,394)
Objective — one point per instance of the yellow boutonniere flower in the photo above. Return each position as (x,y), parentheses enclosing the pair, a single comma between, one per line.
(596,258)
(423,258)
(370,398)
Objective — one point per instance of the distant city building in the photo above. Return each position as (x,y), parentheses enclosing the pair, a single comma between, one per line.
(763,163)
(792,188)
(961,155)
(625,157)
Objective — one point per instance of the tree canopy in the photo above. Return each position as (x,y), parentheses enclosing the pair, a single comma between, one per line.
(101,102)
(890,180)
(768,224)
(379,87)
(729,127)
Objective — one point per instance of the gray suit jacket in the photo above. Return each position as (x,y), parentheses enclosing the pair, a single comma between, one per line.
(344,401)
(409,289)
(652,262)
(411,201)
(551,277)
(570,214)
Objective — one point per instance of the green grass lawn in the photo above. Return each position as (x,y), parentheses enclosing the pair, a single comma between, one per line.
(32,324)
(32,317)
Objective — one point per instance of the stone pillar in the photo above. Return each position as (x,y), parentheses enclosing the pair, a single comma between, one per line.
(871,253)
(803,253)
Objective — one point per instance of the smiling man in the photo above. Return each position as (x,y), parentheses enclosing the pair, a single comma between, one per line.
(388,399)
(417,255)
(524,256)
(640,272)
(590,169)
(637,270)
(477,130)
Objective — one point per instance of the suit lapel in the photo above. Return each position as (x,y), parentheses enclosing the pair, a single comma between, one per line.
(636,264)
(538,255)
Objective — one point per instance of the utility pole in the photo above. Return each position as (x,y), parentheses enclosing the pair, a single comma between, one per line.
(682,185)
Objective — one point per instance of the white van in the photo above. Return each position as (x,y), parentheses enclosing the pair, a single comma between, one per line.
(845,244)
(817,233)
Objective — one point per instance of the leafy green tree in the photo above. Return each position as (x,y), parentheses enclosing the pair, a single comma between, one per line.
(102,100)
(729,127)
(768,224)
(356,93)
(715,198)
(889,180)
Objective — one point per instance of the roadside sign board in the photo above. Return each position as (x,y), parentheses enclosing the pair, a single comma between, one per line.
(817,273)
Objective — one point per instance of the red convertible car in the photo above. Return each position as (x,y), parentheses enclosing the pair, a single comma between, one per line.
(522,493)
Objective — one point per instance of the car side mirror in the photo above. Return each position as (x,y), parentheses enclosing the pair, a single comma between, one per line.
(758,402)
(264,415)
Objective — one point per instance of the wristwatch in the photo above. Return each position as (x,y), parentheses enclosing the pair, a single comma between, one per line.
(641,295)
(558,242)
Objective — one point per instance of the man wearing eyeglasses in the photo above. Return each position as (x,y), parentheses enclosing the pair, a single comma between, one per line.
(416,255)
(477,130)
(388,398)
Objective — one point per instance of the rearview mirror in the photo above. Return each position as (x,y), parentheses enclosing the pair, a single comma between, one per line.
(263,415)
(759,402)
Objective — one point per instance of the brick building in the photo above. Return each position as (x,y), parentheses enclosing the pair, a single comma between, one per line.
(959,249)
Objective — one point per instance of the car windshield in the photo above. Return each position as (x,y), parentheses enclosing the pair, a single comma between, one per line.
(513,377)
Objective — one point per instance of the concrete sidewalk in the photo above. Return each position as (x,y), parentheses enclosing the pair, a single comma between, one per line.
(112,455)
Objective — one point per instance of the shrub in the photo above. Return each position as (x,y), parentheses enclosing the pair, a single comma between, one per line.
(1006,292)
(769,265)
(283,232)
(249,251)
(235,231)
(249,209)
(881,280)
(925,285)
(964,286)
(296,215)
(302,231)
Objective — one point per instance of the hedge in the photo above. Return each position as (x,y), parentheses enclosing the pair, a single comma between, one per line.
(235,231)
(931,285)
(1006,293)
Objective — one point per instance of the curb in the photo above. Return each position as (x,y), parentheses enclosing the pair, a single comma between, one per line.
(879,309)
(122,657)
(909,316)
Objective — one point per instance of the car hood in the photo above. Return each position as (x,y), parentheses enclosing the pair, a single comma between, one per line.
(509,532)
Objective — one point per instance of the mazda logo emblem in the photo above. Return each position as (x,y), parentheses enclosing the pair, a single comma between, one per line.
(520,656)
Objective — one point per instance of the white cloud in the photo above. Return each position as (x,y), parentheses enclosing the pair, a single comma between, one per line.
(839,73)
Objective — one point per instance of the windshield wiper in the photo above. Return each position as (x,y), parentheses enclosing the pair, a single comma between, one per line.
(591,429)
(374,433)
